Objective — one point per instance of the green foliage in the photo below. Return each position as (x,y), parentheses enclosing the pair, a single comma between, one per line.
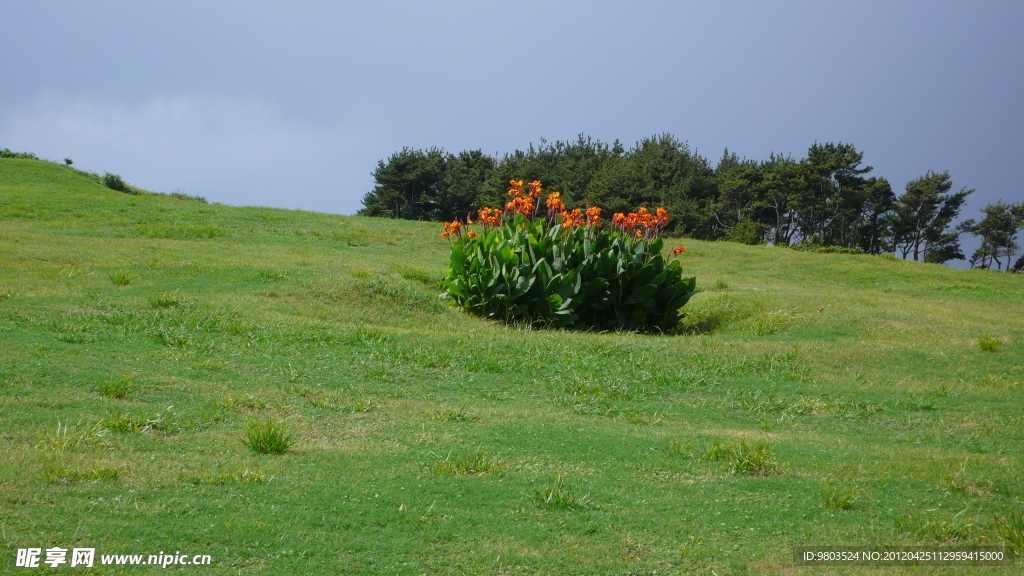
(427,184)
(813,244)
(268,436)
(8,153)
(825,202)
(584,278)
(998,233)
(924,214)
(114,182)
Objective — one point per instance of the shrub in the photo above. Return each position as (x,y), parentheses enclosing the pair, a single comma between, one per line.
(268,436)
(565,269)
(114,182)
(8,153)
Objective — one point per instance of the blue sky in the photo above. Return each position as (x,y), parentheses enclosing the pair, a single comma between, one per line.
(292,104)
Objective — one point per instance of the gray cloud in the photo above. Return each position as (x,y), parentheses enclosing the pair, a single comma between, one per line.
(292,105)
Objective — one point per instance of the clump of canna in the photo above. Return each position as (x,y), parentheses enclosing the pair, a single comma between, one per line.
(566,268)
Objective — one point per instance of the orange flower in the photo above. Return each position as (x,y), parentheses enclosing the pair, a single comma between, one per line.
(451,228)
(572,219)
(645,218)
(554,203)
(662,216)
(535,188)
(517,187)
(471,234)
(619,219)
(593,215)
(639,233)
(679,250)
(488,216)
(521,205)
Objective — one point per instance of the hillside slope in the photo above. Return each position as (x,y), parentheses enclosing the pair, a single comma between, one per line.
(809,399)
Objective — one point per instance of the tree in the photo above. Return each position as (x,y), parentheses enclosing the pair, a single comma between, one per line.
(924,214)
(658,171)
(830,203)
(739,210)
(998,233)
(407,185)
(876,216)
(784,179)
(463,181)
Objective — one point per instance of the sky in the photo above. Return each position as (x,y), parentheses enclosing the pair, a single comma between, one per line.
(292,104)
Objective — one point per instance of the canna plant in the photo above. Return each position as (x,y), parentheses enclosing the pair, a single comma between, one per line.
(563,268)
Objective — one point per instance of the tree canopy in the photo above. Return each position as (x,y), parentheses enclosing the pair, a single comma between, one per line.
(829,199)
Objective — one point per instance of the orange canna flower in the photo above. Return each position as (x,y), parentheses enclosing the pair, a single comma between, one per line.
(554,203)
(593,215)
(639,233)
(517,187)
(488,216)
(662,216)
(535,189)
(471,234)
(572,219)
(679,250)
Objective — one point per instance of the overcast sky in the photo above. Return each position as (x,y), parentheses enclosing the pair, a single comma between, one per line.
(292,104)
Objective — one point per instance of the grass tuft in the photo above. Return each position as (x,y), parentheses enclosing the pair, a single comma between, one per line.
(163,301)
(455,414)
(227,477)
(268,436)
(60,473)
(67,439)
(989,343)
(839,497)
(120,277)
(118,389)
(557,497)
(130,423)
(956,528)
(1010,528)
(743,457)
(469,464)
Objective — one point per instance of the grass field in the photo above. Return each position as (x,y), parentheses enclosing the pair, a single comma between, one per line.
(810,399)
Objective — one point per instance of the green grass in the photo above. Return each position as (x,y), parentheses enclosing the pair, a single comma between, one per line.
(268,436)
(808,399)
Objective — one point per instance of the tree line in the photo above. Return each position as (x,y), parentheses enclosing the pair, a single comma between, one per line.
(825,201)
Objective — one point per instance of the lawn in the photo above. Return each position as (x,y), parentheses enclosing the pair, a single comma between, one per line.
(808,399)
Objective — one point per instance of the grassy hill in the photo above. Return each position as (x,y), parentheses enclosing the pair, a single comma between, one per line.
(813,399)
